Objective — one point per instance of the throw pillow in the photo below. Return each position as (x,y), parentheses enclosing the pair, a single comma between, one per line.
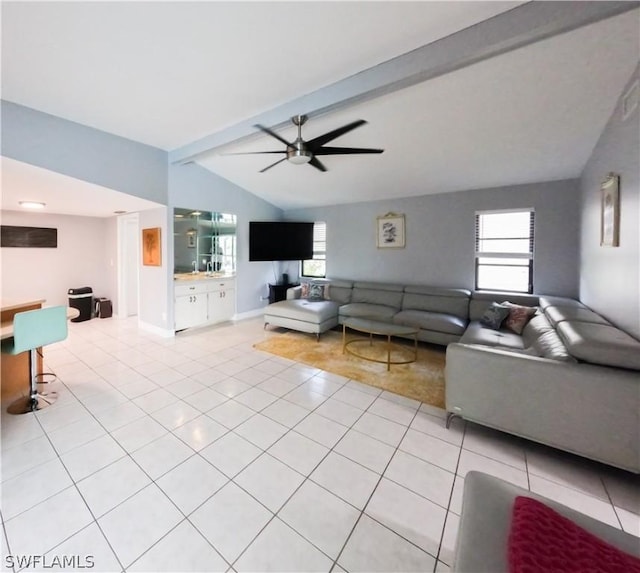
(541,539)
(518,316)
(494,316)
(304,289)
(317,292)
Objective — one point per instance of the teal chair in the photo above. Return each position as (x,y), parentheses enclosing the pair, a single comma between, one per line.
(31,330)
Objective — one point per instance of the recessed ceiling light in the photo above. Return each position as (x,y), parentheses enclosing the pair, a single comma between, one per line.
(177,216)
(32,204)
(196,214)
(119,212)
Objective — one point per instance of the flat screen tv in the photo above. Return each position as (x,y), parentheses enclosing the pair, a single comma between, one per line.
(280,241)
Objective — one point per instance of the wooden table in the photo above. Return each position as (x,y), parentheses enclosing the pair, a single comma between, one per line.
(14,369)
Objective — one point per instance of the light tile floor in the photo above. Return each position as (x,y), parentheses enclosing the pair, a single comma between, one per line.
(200,453)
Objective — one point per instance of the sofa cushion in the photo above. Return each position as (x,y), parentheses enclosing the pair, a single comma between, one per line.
(366,310)
(303,309)
(494,316)
(478,334)
(518,316)
(437,299)
(340,291)
(550,345)
(600,344)
(431,321)
(377,293)
(536,327)
(439,291)
(557,314)
(546,301)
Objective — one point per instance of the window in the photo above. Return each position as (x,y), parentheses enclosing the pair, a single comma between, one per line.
(504,250)
(317,267)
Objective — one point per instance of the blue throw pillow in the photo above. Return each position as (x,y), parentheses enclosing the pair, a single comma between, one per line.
(494,316)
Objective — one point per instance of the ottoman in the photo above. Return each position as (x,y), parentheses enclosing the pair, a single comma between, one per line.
(314,317)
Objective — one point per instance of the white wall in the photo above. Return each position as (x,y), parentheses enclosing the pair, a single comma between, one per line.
(610,276)
(81,259)
(111,259)
(153,311)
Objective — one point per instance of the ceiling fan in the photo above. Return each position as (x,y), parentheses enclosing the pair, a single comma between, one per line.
(301,151)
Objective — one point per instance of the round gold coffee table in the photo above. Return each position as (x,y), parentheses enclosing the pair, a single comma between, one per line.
(372,327)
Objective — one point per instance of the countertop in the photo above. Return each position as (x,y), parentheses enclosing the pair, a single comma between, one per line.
(16,303)
(201,276)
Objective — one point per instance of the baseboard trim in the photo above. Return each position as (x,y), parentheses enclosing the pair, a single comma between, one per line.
(249,314)
(152,328)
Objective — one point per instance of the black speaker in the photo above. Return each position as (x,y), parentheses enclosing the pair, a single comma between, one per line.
(285,279)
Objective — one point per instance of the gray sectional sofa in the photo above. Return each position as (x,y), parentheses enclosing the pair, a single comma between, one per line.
(571,380)
(441,314)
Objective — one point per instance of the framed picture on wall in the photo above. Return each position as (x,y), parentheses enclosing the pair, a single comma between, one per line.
(610,211)
(151,248)
(391,231)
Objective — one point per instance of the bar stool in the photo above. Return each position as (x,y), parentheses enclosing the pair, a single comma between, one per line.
(31,330)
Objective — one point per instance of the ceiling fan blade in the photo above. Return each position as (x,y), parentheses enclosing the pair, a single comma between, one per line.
(273,164)
(253,152)
(273,134)
(345,150)
(317,164)
(322,139)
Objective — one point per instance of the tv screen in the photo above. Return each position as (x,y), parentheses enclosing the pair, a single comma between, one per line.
(280,241)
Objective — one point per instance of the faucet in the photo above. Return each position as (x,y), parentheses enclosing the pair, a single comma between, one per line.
(195,267)
(209,268)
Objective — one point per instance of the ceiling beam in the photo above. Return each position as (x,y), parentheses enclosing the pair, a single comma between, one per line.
(523,25)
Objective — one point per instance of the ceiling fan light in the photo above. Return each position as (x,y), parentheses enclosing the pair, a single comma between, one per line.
(299,157)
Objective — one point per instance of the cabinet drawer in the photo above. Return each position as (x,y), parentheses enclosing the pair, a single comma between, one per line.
(221,284)
(196,288)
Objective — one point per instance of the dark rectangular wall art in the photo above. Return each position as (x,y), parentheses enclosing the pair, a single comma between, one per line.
(30,237)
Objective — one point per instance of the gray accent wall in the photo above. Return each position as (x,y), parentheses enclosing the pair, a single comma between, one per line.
(194,187)
(83,152)
(440,235)
(610,276)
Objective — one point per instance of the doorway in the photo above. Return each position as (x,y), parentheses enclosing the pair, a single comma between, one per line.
(128,265)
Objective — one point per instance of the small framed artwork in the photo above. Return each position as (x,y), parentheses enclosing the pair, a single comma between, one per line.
(391,232)
(151,248)
(191,240)
(610,211)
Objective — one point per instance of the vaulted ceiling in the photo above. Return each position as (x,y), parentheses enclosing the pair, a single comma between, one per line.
(177,74)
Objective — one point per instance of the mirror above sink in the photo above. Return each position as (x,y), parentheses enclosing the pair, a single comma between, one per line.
(204,244)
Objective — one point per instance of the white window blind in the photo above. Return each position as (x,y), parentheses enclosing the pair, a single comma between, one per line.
(504,250)
(317,266)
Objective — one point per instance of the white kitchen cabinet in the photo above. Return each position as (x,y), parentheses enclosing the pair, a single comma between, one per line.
(222,301)
(206,301)
(190,305)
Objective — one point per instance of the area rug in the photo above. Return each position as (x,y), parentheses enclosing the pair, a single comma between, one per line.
(421,380)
